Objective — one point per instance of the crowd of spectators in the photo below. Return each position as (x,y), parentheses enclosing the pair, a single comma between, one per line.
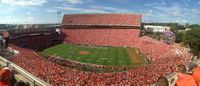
(102,19)
(184,76)
(102,37)
(153,49)
(87,67)
(164,62)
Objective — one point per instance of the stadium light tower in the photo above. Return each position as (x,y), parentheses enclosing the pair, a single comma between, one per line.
(59,13)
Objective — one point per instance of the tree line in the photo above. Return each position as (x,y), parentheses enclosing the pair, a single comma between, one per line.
(190,38)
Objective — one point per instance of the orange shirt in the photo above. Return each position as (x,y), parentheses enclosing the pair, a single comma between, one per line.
(2,84)
(185,80)
(196,75)
(5,76)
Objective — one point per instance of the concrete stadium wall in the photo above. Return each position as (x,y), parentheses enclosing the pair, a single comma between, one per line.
(101,37)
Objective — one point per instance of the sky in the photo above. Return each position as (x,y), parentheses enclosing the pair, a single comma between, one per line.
(46,11)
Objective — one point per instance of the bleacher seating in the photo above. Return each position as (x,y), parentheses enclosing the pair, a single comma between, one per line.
(102,37)
(164,63)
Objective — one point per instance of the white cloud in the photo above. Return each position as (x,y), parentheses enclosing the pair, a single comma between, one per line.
(76,1)
(84,10)
(148,13)
(111,9)
(151,4)
(195,11)
(184,21)
(95,9)
(71,8)
(7,11)
(186,2)
(163,3)
(121,1)
(175,10)
(28,13)
(23,3)
(174,13)
(30,18)
(51,11)
(8,17)
(161,13)
(14,20)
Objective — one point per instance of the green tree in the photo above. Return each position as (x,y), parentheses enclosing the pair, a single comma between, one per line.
(179,37)
(187,25)
(194,25)
(180,27)
(192,38)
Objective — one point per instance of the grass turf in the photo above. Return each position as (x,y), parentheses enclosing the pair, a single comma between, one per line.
(108,56)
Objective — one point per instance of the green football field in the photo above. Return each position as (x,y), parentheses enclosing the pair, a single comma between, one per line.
(109,56)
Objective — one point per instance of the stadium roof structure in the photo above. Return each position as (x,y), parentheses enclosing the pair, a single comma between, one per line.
(102,20)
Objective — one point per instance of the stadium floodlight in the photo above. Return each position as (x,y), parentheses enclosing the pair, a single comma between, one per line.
(59,13)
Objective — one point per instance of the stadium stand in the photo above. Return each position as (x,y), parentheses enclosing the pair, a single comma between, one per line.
(11,74)
(40,37)
(112,37)
(102,19)
(110,29)
(164,57)
(55,74)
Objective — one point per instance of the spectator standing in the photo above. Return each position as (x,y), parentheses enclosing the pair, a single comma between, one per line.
(195,72)
(5,76)
(184,79)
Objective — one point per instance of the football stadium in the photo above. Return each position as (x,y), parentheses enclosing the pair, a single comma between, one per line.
(91,50)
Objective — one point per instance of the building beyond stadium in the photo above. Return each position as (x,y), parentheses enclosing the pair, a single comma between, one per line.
(102,29)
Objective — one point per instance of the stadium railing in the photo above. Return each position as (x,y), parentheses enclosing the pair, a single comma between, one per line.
(33,79)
